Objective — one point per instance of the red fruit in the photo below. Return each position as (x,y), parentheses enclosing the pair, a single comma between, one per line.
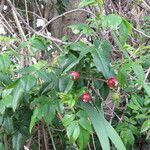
(74,75)
(112,82)
(86,97)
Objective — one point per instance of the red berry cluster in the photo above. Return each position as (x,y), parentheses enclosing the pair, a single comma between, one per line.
(74,75)
(112,82)
(86,97)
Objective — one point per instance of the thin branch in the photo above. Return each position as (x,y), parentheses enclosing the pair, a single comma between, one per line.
(146,5)
(68,12)
(17,21)
(142,33)
(31,12)
(34,31)
(2,5)
(8,25)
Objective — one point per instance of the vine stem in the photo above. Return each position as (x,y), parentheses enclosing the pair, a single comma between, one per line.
(51,136)
(65,13)
(95,79)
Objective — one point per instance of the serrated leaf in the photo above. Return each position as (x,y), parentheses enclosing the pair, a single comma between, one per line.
(73,131)
(138,70)
(4,78)
(49,112)
(112,21)
(68,118)
(28,82)
(127,136)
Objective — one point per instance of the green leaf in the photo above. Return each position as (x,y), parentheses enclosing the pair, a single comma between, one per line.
(4,63)
(4,78)
(101,61)
(112,21)
(82,114)
(83,139)
(65,84)
(17,95)
(2,147)
(145,126)
(28,82)
(46,109)
(73,131)
(85,124)
(44,76)
(83,28)
(49,112)
(127,136)
(38,44)
(7,100)
(122,77)
(68,118)
(33,119)
(124,31)
(103,128)
(86,3)
(113,135)
(138,70)
(147,88)
(80,47)
(71,65)
(17,141)
(98,121)
(8,125)
(100,3)
(2,107)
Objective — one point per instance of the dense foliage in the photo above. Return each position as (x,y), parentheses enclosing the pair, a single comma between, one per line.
(93,93)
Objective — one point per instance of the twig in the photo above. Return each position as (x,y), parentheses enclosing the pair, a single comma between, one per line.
(2,5)
(6,22)
(7,28)
(52,139)
(44,134)
(34,31)
(94,79)
(17,21)
(142,33)
(146,5)
(31,12)
(68,12)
